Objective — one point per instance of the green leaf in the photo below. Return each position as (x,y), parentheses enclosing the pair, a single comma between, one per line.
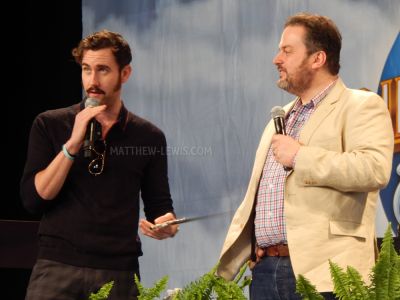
(245,282)
(341,282)
(240,274)
(198,290)
(385,277)
(227,290)
(210,286)
(356,285)
(153,292)
(386,273)
(103,292)
(307,290)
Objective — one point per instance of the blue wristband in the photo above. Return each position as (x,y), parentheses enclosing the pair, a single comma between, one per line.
(66,153)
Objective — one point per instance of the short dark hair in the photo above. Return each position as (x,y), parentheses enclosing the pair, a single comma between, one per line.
(321,34)
(105,39)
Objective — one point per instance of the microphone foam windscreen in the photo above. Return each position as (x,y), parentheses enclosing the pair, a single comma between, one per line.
(277,111)
(92,102)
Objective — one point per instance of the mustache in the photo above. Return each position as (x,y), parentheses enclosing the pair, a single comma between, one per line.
(281,69)
(95,90)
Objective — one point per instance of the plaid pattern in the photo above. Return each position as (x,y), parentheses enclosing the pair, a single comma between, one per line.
(52,280)
(270,227)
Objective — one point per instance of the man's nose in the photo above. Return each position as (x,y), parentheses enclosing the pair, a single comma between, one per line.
(94,79)
(277,59)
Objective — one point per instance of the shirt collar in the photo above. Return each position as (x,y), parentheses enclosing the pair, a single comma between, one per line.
(317,98)
(122,116)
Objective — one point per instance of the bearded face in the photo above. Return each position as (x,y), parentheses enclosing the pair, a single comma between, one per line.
(298,80)
(293,61)
(101,76)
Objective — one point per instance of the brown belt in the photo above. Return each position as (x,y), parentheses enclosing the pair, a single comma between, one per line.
(274,250)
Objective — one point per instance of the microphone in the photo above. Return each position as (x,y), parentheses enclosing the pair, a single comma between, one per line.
(88,143)
(278,115)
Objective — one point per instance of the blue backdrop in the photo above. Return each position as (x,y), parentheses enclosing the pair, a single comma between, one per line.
(203,73)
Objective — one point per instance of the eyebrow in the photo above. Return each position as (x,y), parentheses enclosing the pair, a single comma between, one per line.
(285,47)
(96,66)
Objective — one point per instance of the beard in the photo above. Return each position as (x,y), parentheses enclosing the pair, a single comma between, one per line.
(299,81)
(118,85)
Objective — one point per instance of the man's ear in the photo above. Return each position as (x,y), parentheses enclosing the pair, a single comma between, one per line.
(125,73)
(319,59)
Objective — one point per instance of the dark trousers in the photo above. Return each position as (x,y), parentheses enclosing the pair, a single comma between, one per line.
(54,280)
(273,279)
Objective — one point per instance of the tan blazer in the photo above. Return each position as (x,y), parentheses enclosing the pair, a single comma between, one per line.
(330,196)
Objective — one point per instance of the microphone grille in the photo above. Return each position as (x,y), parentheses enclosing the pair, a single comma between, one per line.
(277,111)
(92,102)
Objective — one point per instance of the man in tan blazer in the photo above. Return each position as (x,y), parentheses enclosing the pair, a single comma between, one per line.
(338,147)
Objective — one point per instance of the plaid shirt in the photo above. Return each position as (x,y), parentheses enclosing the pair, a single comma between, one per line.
(270,227)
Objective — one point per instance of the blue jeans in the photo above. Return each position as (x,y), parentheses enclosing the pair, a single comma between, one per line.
(273,279)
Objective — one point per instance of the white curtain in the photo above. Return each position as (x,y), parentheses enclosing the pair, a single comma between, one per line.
(203,73)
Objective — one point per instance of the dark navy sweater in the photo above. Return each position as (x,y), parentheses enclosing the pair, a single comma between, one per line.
(93,221)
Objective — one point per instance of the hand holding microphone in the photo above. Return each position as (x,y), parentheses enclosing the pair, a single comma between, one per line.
(284,147)
(91,131)
(81,132)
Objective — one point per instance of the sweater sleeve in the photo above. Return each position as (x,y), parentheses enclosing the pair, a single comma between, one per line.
(155,187)
(39,155)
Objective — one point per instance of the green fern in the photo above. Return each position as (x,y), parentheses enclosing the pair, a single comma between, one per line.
(307,290)
(238,279)
(396,282)
(357,286)
(386,273)
(245,282)
(240,274)
(340,282)
(103,293)
(210,286)
(198,290)
(385,278)
(153,292)
(228,290)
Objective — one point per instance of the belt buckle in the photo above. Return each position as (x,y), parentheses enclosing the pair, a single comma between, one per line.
(273,250)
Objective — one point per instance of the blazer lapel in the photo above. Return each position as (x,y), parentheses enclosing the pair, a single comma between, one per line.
(325,107)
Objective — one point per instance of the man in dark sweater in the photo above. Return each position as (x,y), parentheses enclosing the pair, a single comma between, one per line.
(88,191)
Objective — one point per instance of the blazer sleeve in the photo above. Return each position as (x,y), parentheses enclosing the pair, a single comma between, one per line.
(367,139)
